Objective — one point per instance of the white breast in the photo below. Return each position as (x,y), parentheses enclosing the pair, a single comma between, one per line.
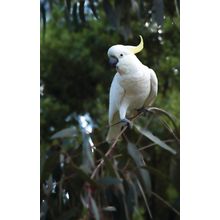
(137,89)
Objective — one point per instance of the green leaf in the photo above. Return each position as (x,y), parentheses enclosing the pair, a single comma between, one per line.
(135,154)
(131,195)
(108,180)
(160,111)
(146,180)
(138,158)
(88,158)
(66,133)
(155,139)
(95,210)
(144,197)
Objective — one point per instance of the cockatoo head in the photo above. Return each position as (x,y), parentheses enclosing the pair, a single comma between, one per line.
(121,56)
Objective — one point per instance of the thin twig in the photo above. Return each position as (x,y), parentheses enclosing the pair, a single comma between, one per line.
(165,202)
(108,152)
(145,199)
(153,144)
(169,129)
(113,145)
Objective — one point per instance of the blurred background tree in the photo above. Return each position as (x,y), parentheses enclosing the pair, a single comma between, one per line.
(141,179)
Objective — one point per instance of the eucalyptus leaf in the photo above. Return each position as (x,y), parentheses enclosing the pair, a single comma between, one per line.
(108,180)
(160,111)
(155,139)
(95,210)
(131,196)
(146,180)
(88,158)
(66,133)
(135,154)
(138,158)
(144,197)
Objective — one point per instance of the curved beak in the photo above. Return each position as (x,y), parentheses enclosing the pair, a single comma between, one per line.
(113,61)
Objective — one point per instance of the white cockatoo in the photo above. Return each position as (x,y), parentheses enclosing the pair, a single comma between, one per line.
(134,86)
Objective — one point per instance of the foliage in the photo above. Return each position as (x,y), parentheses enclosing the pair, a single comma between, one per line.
(139,178)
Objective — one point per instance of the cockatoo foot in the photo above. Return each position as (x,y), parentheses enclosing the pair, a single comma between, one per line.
(127,122)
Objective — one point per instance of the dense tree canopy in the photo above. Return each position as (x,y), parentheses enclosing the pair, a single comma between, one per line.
(140,178)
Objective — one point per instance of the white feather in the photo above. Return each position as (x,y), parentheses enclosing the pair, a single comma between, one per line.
(133,86)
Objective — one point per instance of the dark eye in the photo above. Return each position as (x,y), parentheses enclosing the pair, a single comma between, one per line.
(121,55)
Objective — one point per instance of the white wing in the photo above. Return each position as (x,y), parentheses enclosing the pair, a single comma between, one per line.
(154,89)
(115,97)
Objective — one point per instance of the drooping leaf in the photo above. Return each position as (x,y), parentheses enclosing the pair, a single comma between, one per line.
(135,154)
(88,158)
(144,197)
(160,111)
(138,158)
(167,126)
(66,133)
(130,195)
(108,180)
(155,139)
(156,172)
(43,210)
(146,180)
(95,210)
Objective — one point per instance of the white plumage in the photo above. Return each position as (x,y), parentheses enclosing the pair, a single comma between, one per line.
(134,86)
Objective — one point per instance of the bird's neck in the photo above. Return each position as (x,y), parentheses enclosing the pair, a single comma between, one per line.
(130,68)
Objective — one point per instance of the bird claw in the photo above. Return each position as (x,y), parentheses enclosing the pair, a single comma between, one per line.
(127,122)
